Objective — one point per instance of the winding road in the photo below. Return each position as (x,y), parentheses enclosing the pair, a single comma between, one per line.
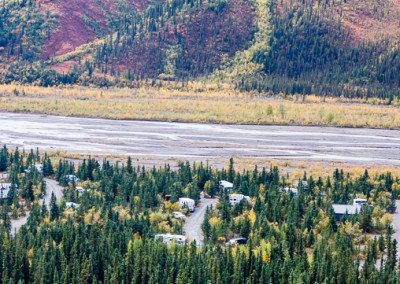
(52,186)
(192,227)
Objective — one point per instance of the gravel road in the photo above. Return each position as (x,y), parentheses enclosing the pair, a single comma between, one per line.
(396,225)
(161,141)
(192,227)
(51,186)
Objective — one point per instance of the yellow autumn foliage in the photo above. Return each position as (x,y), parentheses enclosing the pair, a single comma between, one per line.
(214,221)
(92,217)
(252,216)
(171,207)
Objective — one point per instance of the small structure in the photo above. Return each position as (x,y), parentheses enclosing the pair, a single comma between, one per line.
(80,190)
(237,241)
(187,202)
(360,201)
(71,178)
(293,190)
(236,198)
(37,167)
(179,215)
(342,209)
(168,238)
(72,205)
(303,183)
(4,190)
(226,185)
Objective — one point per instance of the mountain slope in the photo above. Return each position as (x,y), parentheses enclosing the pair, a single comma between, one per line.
(82,21)
(332,47)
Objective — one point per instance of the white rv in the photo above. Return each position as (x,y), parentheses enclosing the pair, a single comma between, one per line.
(168,238)
(235,198)
(187,202)
(4,190)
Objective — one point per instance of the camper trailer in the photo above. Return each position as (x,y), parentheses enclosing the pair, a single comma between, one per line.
(235,198)
(4,190)
(187,202)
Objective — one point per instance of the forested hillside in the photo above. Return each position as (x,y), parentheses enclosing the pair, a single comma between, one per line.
(107,235)
(326,48)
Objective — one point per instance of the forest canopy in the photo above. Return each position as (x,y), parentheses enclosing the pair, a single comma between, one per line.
(108,237)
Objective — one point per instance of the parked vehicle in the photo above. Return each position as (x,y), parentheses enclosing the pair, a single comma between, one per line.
(187,202)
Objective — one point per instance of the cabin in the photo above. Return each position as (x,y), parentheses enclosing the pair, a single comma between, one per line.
(168,239)
(292,190)
(187,202)
(236,198)
(4,190)
(226,185)
(344,209)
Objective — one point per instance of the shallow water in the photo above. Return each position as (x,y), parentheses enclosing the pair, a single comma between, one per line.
(162,140)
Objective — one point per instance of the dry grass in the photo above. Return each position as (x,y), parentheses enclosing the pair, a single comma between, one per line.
(294,168)
(197,104)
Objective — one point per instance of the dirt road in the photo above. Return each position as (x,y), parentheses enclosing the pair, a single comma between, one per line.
(51,186)
(192,227)
(161,141)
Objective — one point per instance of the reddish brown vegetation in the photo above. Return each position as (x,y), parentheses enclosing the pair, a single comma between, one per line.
(366,20)
(208,34)
(71,30)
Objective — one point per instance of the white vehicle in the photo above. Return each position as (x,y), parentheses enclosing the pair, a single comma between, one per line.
(5,189)
(236,198)
(226,185)
(179,215)
(168,238)
(187,202)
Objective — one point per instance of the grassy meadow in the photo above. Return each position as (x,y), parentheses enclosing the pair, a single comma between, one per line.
(198,104)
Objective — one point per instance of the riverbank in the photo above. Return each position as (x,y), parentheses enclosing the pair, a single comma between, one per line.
(199,106)
(163,141)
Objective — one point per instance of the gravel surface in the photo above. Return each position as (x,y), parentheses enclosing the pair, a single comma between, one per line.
(194,142)
(193,223)
(51,186)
